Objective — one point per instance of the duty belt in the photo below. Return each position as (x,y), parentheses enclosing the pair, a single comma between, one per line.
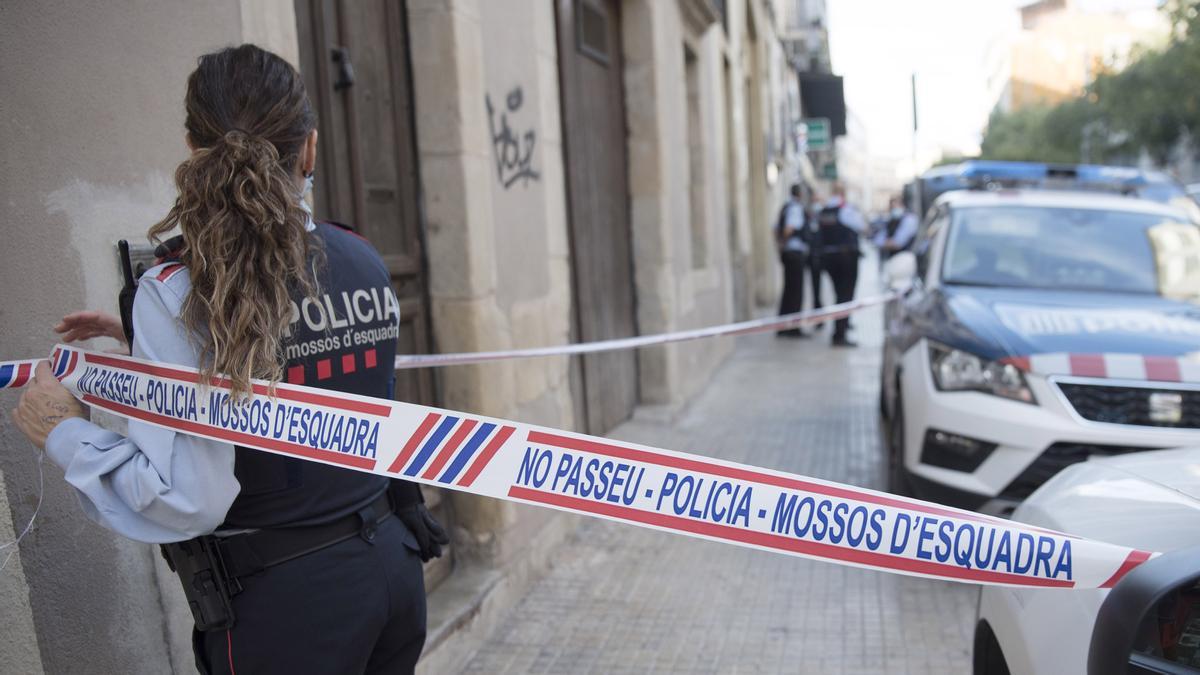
(253,552)
(211,567)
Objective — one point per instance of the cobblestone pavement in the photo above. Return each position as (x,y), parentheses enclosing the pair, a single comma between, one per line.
(627,599)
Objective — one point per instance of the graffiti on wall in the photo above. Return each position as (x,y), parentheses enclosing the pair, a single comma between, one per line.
(513,150)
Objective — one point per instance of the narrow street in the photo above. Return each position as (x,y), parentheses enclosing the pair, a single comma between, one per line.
(626,599)
(446,180)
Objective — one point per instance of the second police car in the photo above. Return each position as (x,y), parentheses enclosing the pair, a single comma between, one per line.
(1148,501)
(1040,328)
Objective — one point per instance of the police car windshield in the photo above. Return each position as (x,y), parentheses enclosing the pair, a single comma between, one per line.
(1073,249)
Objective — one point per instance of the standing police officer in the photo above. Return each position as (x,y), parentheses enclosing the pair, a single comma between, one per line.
(289,566)
(791,233)
(838,228)
(898,230)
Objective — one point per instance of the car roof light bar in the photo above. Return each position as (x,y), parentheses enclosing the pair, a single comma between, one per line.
(991,175)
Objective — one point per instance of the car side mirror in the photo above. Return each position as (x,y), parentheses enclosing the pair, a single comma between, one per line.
(1150,621)
(900,271)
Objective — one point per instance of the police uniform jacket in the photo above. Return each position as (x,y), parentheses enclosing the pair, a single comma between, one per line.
(158,486)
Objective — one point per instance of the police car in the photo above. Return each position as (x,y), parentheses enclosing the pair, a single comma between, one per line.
(1039,328)
(1149,501)
(1146,184)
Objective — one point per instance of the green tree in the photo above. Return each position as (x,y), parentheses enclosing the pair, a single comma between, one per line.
(1040,133)
(1149,105)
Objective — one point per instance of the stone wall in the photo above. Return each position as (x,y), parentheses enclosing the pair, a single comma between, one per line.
(92,129)
(683,72)
(496,229)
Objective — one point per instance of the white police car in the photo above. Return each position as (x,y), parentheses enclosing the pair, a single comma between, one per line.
(1041,328)
(1149,501)
(1152,185)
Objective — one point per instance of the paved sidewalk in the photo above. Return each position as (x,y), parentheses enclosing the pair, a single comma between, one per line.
(626,599)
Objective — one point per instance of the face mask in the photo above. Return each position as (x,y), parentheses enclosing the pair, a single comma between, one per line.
(308,186)
(897,212)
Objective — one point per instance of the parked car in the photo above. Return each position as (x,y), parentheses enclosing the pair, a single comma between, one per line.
(1148,501)
(1041,328)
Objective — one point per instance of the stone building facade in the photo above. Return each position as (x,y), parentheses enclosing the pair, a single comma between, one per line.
(535,173)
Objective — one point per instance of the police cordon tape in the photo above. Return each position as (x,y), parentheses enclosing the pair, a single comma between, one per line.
(15,374)
(661,489)
(785,321)
(18,373)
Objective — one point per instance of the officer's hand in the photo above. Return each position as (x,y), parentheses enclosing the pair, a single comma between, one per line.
(430,534)
(87,325)
(44,403)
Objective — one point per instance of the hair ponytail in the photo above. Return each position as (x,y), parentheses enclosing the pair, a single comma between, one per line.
(246,246)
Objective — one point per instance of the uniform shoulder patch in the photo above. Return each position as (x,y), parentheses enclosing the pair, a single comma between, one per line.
(169,270)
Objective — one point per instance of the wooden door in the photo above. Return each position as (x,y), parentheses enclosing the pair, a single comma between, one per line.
(354,59)
(593,113)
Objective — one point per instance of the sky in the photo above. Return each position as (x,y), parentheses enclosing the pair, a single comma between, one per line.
(877,45)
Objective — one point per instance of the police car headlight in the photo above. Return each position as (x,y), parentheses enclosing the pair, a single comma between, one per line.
(956,370)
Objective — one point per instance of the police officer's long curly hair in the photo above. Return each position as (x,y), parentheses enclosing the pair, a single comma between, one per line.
(245,243)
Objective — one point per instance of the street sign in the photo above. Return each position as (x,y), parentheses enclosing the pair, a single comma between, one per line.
(819,137)
(829,171)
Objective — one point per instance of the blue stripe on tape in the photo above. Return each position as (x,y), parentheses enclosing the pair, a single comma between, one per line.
(431,445)
(6,374)
(467,452)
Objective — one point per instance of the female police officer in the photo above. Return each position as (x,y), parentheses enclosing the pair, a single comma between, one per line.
(321,578)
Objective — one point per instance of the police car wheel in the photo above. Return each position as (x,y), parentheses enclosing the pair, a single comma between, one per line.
(987,657)
(897,476)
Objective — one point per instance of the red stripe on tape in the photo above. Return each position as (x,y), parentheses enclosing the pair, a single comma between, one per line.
(1088,365)
(283,447)
(620,452)
(413,441)
(486,456)
(379,410)
(22,375)
(447,452)
(1132,560)
(780,542)
(1163,369)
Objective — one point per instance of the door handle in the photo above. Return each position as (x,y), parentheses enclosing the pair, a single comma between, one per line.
(345,69)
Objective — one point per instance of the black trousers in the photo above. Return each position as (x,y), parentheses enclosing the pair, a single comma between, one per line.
(792,299)
(843,271)
(814,270)
(354,607)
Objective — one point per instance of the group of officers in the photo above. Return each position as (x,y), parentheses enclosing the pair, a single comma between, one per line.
(823,237)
